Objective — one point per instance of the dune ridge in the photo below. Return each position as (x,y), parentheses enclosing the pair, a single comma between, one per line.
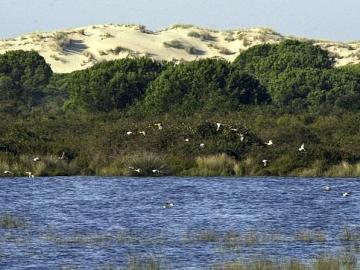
(80,48)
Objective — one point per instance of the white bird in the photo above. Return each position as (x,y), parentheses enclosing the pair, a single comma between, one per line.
(327,188)
(129,133)
(202,145)
(159,126)
(138,170)
(270,142)
(156,171)
(30,174)
(234,129)
(265,161)
(62,156)
(168,205)
(302,148)
(346,194)
(242,137)
(218,126)
(142,132)
(7,172)
(187,140)
(36,159)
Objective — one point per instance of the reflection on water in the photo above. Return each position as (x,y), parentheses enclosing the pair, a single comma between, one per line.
(89,222)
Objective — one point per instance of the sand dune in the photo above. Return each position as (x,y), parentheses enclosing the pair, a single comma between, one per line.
(80,48)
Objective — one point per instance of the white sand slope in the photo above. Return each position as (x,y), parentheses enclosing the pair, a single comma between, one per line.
(80,48)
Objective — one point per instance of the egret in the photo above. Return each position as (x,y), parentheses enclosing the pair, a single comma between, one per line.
(142,132)
(202,145)
(302,148)
(159,126)
(270,142)
(36,159)
(168,205)
(265,162)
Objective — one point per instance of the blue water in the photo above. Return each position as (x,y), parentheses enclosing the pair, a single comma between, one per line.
(64,207)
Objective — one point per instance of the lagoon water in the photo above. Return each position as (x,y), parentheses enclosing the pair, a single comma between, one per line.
(78,221)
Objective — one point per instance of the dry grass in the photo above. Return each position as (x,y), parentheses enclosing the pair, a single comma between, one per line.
(214,165)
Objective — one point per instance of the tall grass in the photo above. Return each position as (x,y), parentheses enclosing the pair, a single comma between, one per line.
(214,165)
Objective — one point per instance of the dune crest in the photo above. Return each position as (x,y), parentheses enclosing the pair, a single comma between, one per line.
(80,48)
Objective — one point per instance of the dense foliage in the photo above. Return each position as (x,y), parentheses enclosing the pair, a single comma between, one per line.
(104,120)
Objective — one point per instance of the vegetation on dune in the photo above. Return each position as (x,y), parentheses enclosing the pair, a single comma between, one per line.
(103,119)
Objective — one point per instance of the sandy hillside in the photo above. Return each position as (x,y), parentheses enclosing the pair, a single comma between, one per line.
(81,48)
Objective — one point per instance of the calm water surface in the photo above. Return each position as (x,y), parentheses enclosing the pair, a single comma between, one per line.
(58,209)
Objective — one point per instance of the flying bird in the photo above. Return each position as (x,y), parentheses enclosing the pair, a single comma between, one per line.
(218,126)
(270,142)
(265,162)
(160,127)
(346,194)
(202,145)
(242,137)
(302,148)
(7,172)
(36,159)
(30,174)
(187,140)
(129,133)
(142,132)
(156,171)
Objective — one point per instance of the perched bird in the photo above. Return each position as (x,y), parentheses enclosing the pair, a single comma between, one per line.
(142,132)
(202,145)
(187,140)
(265,162)
(270,142)
(156,171)
(129,133)
(218,126)
(327,188)
(346,194)
(302,148)
(36,159)
(159,126)
(168,205)
(30,174)
(7,172)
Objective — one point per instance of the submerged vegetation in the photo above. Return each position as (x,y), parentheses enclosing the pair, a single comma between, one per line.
(207,117)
